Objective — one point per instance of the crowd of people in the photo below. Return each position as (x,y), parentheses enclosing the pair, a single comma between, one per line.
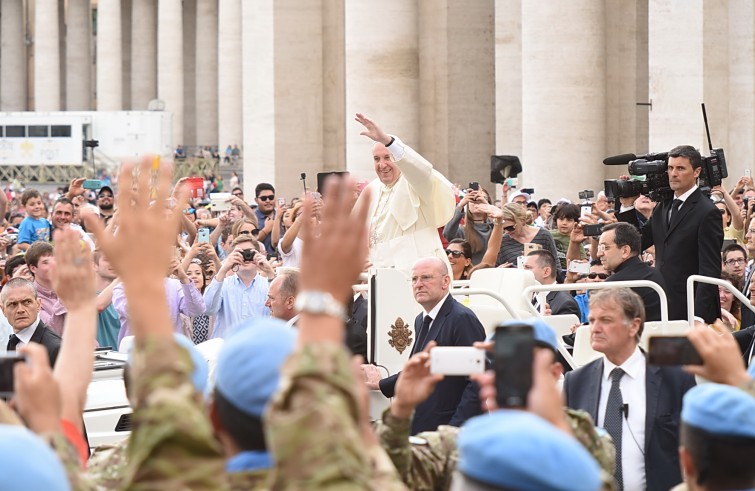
(155,270)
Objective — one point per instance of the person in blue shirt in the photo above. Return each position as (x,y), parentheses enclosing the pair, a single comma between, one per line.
(35,226)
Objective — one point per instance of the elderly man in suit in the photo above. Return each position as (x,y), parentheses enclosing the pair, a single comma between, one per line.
(448,323)
(638,404)
(20,304)
(543,265)
(408,202)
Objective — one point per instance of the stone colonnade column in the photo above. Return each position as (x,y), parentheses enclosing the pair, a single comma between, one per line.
(170,86)
(46,56)
(382,75)
(12,56)
(229,72)
(206,73)
(109,56)
(283,95)
(563,96)
(143,53)
(79,56)
(457,86)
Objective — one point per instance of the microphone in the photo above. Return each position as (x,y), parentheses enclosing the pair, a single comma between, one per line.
(622,159)
(625,409)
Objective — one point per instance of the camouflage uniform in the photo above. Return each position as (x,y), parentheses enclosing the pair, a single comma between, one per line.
(107,465)
(248,480)
(171,446)
(428,461)
(313,427)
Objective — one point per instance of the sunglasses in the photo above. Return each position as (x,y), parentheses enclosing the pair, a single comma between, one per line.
(510,228)
(266,198)
(456,254)
(592,276)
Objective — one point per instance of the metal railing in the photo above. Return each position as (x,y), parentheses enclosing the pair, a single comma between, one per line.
(711,281)
(490,293)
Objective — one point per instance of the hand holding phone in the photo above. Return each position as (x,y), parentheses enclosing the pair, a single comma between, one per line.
(672,350)
(203,236)
(512,362)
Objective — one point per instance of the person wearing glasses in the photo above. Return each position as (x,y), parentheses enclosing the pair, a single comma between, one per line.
(510,233)
(619,251)
(734,258)
(447,322)
(106,203)
(459,253)
(264,195)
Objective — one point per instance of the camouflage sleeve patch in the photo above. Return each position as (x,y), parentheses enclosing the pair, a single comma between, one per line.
(313,427)
(172,441)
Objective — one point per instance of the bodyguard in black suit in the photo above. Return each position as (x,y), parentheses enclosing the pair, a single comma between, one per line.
(619,251)
(688,235)
(452,324)
(616,335)
(543,266)
(21,307)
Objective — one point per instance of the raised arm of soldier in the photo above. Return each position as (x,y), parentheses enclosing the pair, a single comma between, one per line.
(314,425)
(172,444)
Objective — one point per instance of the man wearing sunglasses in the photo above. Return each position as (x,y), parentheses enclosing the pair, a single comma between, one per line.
(619,251)
(106,203)
(264,195)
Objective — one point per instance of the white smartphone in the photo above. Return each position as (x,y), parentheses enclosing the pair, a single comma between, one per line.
(219,201)
(203,236)
(579,268)
(748,173)
(457,360)
(586,210)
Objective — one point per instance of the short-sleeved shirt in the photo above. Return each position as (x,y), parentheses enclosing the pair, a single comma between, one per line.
(34,229)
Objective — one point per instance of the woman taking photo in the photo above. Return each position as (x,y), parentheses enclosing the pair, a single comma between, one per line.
(477,226)
(510,233)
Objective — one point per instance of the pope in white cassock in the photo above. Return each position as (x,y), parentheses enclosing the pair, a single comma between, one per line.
(408,202)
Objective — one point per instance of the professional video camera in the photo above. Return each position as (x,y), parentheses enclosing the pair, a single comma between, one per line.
(654,165)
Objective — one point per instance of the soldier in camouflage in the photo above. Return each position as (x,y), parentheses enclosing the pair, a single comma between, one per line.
(428,461)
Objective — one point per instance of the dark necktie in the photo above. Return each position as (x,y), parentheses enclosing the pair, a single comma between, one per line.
(613,422)
(674,210)
(422,334)
(13,342)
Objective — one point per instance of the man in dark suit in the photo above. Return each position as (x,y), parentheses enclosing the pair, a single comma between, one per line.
(19,302)
(543,265)
(448,323)
(688,235)
(638,404)
(619,251)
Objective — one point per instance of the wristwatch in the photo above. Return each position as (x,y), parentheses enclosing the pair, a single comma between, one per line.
(320,303)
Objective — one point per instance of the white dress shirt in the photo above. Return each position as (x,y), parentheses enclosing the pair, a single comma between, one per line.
(683,198)
(434,311)
(633,393)
(24,335)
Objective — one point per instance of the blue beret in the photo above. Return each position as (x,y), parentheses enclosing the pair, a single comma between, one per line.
(544,334)
(201,371)
(516,449)
(27,463)
(249,363)
(720,409)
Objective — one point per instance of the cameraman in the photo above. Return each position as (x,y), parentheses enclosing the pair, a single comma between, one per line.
(238,291)
(687,235)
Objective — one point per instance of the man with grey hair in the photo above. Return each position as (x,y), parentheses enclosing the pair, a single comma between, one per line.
(448,323)
(281,297)
(638,404)
(21,306)
(407,202)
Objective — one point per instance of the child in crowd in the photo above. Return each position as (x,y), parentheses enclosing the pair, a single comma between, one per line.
(35,226)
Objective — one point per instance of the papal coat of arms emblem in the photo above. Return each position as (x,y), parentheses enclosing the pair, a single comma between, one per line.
(401,335)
